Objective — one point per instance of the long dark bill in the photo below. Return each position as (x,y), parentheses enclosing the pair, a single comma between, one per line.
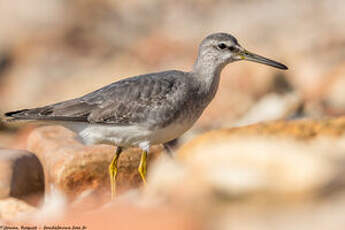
(249,56)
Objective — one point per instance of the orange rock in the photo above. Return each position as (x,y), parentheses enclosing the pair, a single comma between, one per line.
(297,129)
(74,167)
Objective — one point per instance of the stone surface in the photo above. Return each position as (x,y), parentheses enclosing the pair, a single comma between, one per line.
(73,167)
(250,177)
(15,139)
(329,95)
(13,210)
(245,169)
(297,157)
(282,159)
(317,215)
(21,174)
(271,107)
(297,129)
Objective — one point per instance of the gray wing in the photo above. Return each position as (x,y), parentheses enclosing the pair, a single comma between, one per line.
(154,98)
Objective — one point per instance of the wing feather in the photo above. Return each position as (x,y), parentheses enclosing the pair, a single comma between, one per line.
(152,98)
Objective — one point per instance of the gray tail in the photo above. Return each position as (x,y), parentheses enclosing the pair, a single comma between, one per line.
(41,114)
(18,115)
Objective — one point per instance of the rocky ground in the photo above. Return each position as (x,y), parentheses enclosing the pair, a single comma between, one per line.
(267,153)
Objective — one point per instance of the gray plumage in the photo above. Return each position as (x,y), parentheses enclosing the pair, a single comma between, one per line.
(153,101)
(148,109)
(157,98)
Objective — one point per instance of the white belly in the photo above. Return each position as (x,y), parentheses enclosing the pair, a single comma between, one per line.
(126,136)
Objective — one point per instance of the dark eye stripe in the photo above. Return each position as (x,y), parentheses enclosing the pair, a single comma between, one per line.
(232,48)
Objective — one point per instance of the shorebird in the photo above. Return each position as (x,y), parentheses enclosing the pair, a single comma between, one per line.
(149,109)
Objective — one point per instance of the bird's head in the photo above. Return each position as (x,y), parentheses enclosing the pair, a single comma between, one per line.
(220,49)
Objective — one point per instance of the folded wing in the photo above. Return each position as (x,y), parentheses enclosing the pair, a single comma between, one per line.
(154,99)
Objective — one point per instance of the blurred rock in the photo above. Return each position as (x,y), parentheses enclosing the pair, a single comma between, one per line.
(246,177)
(274,159)
(329,96)
(7,139)
(225,170)
(21,174)
(327,214)
(301,130)
(271,107)
(15,135)
(12,209)
(74,167)
(254,166)
(280,101)
(5,62)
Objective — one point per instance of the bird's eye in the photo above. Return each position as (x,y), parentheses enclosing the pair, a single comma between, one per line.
(221,46)
(232,48)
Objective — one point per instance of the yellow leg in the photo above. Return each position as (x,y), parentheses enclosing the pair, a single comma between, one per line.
(113,172)
(142,166)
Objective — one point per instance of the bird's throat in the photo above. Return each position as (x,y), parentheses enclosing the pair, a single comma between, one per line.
(208,82)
